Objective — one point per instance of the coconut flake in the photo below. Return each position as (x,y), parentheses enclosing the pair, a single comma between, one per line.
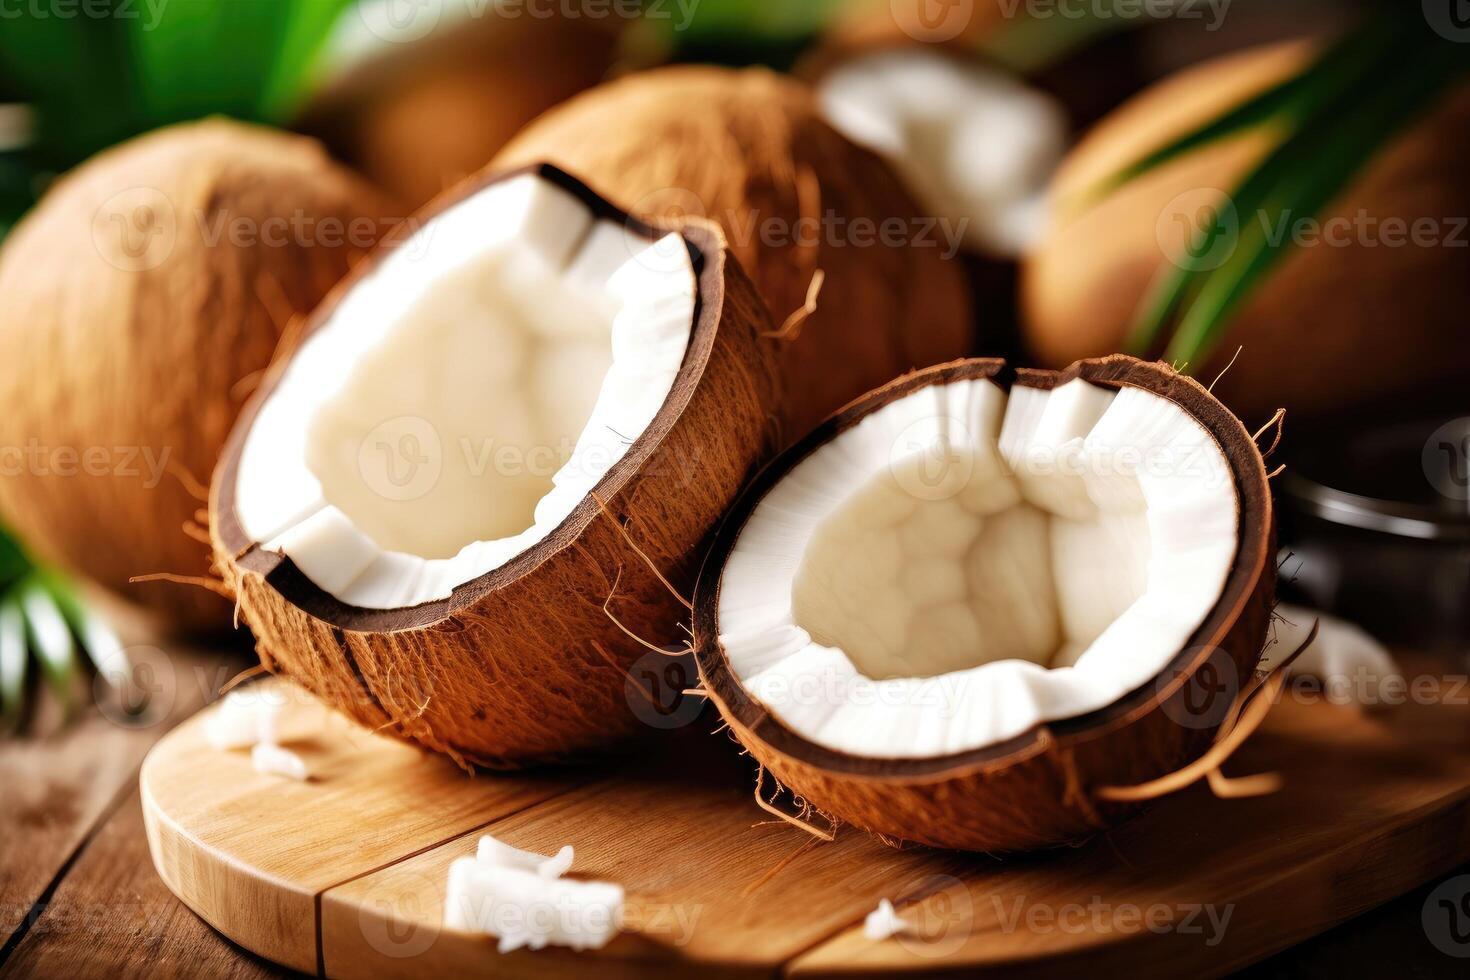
(273,760)
(884,923)
(1351,664)
(494,853)
(243,719)
(526,909)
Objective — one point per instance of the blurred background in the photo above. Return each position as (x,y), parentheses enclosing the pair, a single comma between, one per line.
(1270,195)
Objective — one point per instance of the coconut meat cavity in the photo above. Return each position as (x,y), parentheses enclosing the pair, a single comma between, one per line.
(964,563)
(465,395)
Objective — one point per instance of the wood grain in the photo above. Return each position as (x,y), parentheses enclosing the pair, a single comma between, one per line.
(1373,805)
(251,852)
(691,849)
(55,789)
(112,916)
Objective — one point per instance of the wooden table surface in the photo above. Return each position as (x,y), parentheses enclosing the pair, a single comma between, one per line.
(79,896)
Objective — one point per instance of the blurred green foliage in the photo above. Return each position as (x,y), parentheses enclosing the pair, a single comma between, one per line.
(46,636)
(101,72)
(1332,118)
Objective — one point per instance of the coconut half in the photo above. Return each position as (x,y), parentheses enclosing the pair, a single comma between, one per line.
(412,511)
(974,143)
(965,602)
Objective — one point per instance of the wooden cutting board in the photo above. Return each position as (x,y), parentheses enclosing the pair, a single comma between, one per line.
(344,875)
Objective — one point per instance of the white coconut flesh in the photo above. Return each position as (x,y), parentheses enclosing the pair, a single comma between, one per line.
(466,395)
(973,143)
(962,565)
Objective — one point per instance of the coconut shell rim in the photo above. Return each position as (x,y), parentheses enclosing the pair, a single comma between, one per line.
(1253,551)
(708,254)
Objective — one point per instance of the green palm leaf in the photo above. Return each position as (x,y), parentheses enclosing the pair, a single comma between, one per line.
(94,81)
(1322,161)
(45,630)
(14,665)
(1335,116)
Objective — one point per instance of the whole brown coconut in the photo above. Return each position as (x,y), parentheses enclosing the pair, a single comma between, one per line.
(749,150)
(418,117)
(1326,310)
(136,302)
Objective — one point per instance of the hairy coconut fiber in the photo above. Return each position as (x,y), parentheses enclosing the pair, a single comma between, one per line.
(524,664)
(418,117)
(1326,310)
(1040,788)
(136,303)
(749,150)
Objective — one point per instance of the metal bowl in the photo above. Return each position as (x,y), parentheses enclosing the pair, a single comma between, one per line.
(1376,528)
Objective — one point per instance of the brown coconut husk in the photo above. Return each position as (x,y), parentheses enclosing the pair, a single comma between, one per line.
(525,664)
(1040,788)
(1328,308)
(749,150)
(141,357)
(419,117)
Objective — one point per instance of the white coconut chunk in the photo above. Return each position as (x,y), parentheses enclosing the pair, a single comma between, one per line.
(466,395)
(526,910)
(273,760)
(884,923)
(500,854)
(244,718)
(974,143)
(880,604)
(1352,666)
